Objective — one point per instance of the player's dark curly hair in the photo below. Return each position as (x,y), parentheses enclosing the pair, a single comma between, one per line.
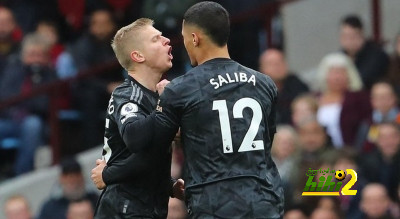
(212,18)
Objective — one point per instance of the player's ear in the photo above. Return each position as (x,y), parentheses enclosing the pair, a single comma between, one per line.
(137,56)
(195,40)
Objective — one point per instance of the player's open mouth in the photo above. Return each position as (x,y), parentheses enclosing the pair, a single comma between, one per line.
(170,52)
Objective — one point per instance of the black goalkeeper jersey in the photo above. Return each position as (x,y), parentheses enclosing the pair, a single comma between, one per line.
(143,177)
(227,117)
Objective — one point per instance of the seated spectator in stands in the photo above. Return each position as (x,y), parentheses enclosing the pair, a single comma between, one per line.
(296,212)
(24,121)
(375,202)
(93,93)
(314,144)
(71,188)
(383,164)
(10,36)
(80,209)
(385,108)
(320,213)
(17,207)
(60,58)
(93,47)
(343,159)
(343,105)
(394,65)
(329,203)
(369,58)
(384,103)
(283,153)
(273,63)
(303,106)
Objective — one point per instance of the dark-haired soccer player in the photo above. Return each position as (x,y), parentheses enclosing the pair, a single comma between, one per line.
(142,186)
(226,113)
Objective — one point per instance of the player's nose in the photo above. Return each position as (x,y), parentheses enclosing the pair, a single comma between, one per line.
(166,40)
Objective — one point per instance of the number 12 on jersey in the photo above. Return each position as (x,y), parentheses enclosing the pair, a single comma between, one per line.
(248,143)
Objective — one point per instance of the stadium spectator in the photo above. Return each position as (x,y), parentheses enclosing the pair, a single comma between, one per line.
(80,209)
(375,202)
(383,164)
(343,159)
(385,108)
(10,36)
(303,106)
(314,144)
(330,203)
(71,187)
(17,207)
(320,213)
(394,65)
(273,64)
(24,122)
(60,58)
(296,212)
(283,152)
(92,94)
(369,58)
(343,105)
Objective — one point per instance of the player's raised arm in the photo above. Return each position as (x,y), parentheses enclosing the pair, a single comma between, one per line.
(167,116)
(138,133)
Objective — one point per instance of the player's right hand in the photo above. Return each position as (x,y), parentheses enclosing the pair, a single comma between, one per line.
(179,189)
(97,174)
(161,85)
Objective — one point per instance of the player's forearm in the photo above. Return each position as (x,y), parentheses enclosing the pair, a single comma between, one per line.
(138,134)
(132,167)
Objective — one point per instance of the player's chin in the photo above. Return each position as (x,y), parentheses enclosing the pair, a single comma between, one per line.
(167,66)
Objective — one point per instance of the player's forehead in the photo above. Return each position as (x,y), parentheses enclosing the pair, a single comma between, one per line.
(150,32)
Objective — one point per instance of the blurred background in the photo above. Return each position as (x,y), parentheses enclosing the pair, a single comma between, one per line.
(336,65)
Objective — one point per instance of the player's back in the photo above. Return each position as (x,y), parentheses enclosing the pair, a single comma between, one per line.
(227,122)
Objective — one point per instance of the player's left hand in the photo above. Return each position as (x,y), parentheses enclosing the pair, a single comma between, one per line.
(97,174)
(179,189)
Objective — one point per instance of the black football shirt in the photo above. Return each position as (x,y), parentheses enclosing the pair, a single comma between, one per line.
(226,113)
(143,176)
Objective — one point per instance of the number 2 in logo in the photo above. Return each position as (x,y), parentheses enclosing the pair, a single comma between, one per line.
(248,143)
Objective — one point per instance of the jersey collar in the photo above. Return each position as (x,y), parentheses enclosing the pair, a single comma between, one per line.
(154,94)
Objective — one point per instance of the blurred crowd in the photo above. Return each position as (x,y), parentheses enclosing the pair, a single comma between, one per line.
(349,118)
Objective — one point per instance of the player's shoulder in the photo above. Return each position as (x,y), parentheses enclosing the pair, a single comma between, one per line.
(260,76)
(128,90)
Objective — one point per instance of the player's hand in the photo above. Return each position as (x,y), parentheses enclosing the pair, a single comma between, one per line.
(179,189)
(97,174)
(161,85)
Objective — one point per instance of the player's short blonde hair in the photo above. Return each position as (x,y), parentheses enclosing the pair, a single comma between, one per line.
(125,41)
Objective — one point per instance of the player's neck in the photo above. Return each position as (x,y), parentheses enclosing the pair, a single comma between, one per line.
(212,52)
(146,78)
